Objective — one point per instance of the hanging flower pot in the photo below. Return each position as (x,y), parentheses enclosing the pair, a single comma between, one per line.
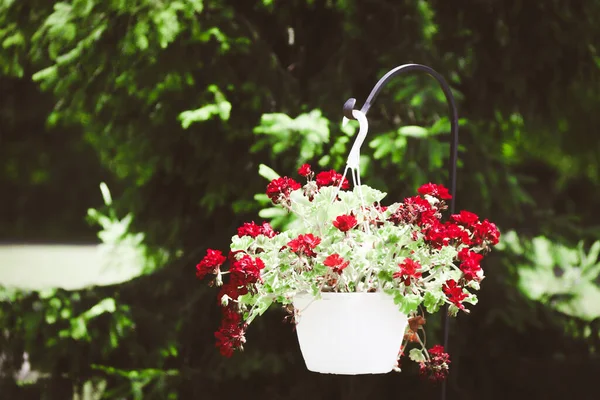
(356,276)
(349,333)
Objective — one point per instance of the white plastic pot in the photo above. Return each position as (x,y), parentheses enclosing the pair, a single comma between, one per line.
(349,333)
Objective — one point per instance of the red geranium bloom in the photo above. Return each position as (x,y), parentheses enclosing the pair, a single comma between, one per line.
(434,190)
(345,222)
(470,264)
(304,244)
(465,218)
(304,170)
(470,271)
(249,229)
(281,187)
(409,269)
(455,232)
(415,210)
(455,293)
(230,335)
(437,367)
(210,263)
(436,235)
(486,231)
(469,257)
(246,270)
(253,230)
(233,289)
(267,230)
(336,262)
(440,235)
(331,178)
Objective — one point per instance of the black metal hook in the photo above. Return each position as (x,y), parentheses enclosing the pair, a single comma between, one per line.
(349,107)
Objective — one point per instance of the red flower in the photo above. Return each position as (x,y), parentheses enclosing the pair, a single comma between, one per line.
(210,263)
(434,190)
(436,235)
(440,235)
(281,187)
(233,289)
(456,233)
(470,271)
(253,230)
(486,232)
(469,256)
(246,270)
(437,367)
(230,335)
(470,264)
(267,230)
(336,262)
(304,170)
(249,229)
(304,244)
(465,218)
(345,222)
(331,178)
(415,210)
(455,293)
(409,269)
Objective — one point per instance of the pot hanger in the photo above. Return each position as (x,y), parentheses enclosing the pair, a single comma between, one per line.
(350,113)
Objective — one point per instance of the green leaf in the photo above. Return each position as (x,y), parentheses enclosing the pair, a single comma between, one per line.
(221,108)
(416,355)
(262,305)
(15,39)
(78,329)
(272,212)
(432,302)
(49,74)
(408,303)
(107,305)
(413,131)
(267,173)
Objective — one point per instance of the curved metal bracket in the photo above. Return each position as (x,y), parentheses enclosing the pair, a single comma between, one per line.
(348,113)
(350,104)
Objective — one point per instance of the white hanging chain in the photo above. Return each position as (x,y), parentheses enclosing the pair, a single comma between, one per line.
(353,162)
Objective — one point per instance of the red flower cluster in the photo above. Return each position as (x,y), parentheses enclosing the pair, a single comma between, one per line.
(230,335)
(465,218)
(210,263)
(253,230)
(331,178)
(336,262)
(409,269)
(246,270)
(437,367)
(345,222)
(455,293)
(304,244)
(415,210)
(470,264)
(434,190)
(486,233)
(244,273)
(440,235)
(304,170)
(281,188)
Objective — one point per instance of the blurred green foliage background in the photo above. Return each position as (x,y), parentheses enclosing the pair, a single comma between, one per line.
(176,104)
